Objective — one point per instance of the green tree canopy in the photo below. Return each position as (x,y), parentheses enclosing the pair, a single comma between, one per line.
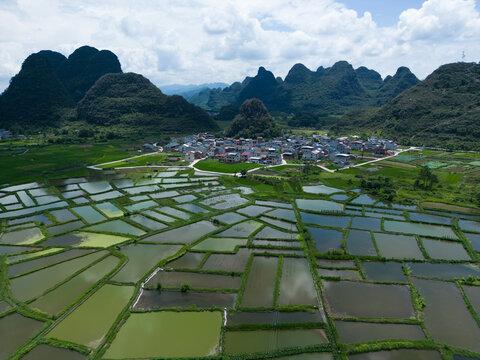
(254,120)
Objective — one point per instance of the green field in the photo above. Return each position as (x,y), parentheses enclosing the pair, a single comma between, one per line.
(35,163)
(147,160)
(215,166)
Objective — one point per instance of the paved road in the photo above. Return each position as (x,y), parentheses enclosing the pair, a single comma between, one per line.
(192,165)
(381,159)
(368,162)
(96,167)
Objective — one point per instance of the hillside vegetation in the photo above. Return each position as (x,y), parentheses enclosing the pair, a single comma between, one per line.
(443,110)
(254,120)
(334,90)
(131,99)
(52,92)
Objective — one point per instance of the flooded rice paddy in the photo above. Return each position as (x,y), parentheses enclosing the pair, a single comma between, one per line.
(163,265)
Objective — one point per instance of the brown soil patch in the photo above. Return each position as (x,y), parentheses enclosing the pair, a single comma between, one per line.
(449,207)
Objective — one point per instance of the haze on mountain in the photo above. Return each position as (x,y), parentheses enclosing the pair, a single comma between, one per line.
(187,91)
(51,88)
(334,90)
(443,110)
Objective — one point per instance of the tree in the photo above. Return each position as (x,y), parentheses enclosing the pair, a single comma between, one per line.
(228,112)
(185,288)
(478,198)
(85,133)
(243,172)
(427,177)
(303,119)
(253,121)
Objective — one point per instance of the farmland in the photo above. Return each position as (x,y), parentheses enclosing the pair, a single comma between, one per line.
(296,264)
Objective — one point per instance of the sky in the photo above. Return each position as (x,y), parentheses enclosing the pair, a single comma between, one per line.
(201,41)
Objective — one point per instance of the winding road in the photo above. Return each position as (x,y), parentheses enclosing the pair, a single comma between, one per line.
(192,164)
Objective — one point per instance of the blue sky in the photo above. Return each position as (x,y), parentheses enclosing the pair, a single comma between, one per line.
(203,41)
(384,12)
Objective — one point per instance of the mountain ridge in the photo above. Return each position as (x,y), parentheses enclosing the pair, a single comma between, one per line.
(90,86)
(442,110)
(131,99)
(335,90)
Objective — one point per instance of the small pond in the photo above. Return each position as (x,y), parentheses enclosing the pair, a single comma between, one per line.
(319,205)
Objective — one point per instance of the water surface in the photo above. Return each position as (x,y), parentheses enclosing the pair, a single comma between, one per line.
(358,332)
(357,299)
(398,246)
(64,295)
(15,329)
(454,326)
(319,205)
(89,323)
(262,341)
(401,354)
(184,234)
(166,335)
(260,284)
(445,250)
(42,351)
(296,283)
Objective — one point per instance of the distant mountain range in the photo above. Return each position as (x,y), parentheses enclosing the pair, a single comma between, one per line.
(442,110)
(334,90)
(187,91)
(90,85)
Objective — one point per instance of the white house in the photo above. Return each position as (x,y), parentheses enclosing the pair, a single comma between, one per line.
(190,156)
(342,159)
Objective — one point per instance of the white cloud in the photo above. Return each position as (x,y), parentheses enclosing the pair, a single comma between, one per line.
(187,41)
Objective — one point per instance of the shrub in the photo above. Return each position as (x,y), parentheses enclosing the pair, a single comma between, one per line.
(185,288)
(85,133)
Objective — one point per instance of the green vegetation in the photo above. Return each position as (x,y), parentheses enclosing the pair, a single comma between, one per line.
(185,288)
(334,90)
(53,92)
(426,178)
(215,166)
(147,160)
(132,100)
(49,83)
(253,121)
(308,119)
(371,290)
(38,163)
(440,111)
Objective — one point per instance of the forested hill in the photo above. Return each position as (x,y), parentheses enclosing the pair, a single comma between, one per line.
(49,82)
(132,100)
(442,110)
(252,121)
(334,90)
(90,83)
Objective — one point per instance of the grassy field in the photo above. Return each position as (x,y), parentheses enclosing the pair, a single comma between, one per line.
(458,179)
(35,163)
(151,159)
(213,165)
(448,207)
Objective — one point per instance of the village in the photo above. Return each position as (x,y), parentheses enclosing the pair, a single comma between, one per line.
(340,152)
